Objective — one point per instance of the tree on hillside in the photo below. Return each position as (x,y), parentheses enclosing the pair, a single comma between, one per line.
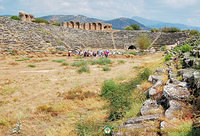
(15,18)
(133,27)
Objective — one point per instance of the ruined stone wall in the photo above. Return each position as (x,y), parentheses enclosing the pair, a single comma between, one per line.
(31,36)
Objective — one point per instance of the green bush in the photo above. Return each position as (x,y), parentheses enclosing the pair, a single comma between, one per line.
(59,61)
(143,41)
(163,48)
(185,48)
(15,17)
(83,69)
(167,57)
(101,61)
(40,20)
(22,59)
(154,30)
(106,68)
(133,27)
(79,63)
(65,64)
(121,61)
(57,24)
(120,95)
(170,29)
(194,32)
(32,65)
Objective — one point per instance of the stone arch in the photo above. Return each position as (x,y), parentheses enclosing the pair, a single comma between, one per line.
(131,47)
(99,26)
(77,25)
(94,26)
(71,24)
(90,26)
(27,18)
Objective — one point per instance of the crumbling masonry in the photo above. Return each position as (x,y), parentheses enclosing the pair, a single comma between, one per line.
(26,17)
(94,26)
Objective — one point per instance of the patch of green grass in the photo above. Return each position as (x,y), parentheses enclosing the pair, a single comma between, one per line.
(22,59)
(65,64)
(84,68)
(60,42)
(120,95)
(101,61)
(167,57)
(136,67)
(106,68)
(91,128)
(32,65)
(121,61)
(130,52)
(79,63)
(4,102)
(59,61)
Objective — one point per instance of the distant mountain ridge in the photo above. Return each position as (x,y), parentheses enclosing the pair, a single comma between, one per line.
(158,24)
(119,23)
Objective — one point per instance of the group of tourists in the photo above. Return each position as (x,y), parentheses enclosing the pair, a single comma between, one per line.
(88,53)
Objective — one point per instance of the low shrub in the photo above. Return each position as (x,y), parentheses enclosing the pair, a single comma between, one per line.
(40,20)
(130,52)
(143,41)
(185,48)
(106,68)
(44,108)
(15,18)
(194,32)
(84,68)
(79,63)
(163,48)
(65,64)
(78,94)
(32,65)
(133,27)
(121,61)
(57,24)
(170,29)
(167,57)
(120,95)
(59,61)
(101,61)
(154,30)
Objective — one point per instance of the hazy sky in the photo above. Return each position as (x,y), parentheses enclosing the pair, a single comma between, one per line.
(175,11)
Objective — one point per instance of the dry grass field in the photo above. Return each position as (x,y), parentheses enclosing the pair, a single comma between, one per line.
(36,92)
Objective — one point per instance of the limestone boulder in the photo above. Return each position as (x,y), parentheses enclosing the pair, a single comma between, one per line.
(151,107)
(175,92)
(154,78)
(174,108)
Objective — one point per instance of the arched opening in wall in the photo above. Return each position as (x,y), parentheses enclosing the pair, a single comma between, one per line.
(99,26)
(77,25)
(89,26)
(27,17)
(71,24)
(105,27)
(94,26)
(84,26)
(131,47)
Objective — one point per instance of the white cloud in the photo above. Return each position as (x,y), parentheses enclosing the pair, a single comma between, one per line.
(179,3)
(105,9)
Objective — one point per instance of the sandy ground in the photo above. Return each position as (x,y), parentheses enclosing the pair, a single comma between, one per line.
(27,88)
